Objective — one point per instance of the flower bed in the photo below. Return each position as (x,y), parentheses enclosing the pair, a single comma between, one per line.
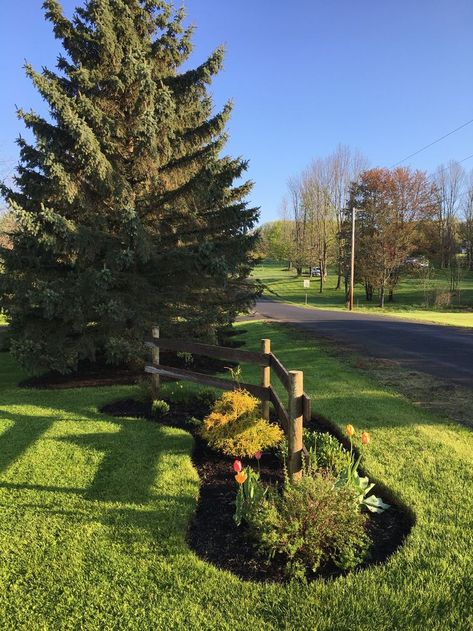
(214,534)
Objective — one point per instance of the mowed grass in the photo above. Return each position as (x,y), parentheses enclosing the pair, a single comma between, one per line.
(409,297)
(95,511)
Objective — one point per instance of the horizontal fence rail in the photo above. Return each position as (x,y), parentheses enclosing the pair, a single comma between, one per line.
(209,350)
(291,417)
(281,372)
(207,380)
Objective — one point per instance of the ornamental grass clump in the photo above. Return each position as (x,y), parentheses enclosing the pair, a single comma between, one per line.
(235,427)
(159,408)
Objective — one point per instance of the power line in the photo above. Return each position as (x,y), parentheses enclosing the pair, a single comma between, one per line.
(445,168)
(411,155)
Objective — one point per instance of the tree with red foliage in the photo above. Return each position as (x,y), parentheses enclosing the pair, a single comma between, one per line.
(390,205)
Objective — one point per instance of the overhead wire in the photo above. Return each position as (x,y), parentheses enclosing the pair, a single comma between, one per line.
(434,142)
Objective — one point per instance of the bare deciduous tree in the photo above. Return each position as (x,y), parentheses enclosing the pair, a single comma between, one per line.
(467,224)
(321,214)
(344,166)
(449,182)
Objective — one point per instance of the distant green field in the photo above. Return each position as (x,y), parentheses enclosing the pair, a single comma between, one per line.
(409,297)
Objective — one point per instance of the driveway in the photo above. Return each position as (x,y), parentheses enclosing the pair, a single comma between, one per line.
(442,351)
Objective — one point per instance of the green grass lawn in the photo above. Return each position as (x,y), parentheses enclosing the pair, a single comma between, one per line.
(409,296)
(95,512)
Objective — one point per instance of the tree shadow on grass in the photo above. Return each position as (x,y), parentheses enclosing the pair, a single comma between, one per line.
(130,460)
(129,467)
(158,529)
(126,494)
(20,436)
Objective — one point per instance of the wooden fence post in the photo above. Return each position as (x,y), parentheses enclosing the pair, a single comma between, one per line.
(296,391)
(155,379)
(265,377)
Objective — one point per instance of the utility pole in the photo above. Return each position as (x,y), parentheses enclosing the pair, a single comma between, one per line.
(352,266)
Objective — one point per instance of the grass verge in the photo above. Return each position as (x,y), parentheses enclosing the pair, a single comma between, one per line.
(284,285)
(95,512)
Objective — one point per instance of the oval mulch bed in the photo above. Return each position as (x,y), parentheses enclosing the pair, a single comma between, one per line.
(213,534)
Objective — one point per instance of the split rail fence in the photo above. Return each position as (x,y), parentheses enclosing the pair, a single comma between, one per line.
(291,417)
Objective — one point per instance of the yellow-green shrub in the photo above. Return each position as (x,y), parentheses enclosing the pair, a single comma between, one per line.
(236,403)
(235,427)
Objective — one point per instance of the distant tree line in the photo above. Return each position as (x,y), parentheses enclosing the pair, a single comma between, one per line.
(404,218)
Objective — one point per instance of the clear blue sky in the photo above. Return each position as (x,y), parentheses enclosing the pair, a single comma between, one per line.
(384,76)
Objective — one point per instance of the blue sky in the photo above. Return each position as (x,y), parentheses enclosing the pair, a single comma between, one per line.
(383,76)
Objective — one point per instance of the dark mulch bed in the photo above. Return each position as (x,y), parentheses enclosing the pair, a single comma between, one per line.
(88,376)
(91,375)
(213,534)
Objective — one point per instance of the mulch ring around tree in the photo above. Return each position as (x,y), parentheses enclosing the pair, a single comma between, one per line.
(213,534)
(93,375)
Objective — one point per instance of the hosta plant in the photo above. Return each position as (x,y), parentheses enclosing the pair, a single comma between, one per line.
(361,485)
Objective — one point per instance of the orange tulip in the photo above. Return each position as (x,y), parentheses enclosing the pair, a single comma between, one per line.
(350,430)
(241,477)
(365,438)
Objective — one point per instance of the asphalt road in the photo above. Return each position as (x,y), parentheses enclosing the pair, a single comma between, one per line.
(442,351)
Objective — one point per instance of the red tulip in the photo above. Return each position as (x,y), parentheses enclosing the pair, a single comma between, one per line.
(237,466)
(258,455)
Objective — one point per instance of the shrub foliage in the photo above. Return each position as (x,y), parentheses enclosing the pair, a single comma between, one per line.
(235,427)
(311,524)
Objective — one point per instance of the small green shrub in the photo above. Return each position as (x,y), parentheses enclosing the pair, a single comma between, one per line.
(206,397)
(159,408)
(325,452)
(235,427)
(195,422)
(310,524)
(331,454)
